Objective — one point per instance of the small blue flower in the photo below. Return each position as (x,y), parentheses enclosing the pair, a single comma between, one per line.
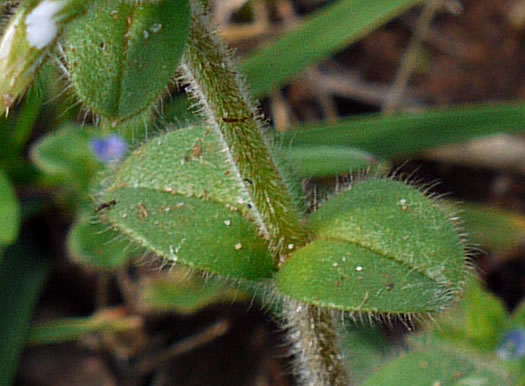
(513,345)
(109,149)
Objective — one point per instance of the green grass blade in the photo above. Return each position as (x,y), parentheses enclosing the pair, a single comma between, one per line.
(322,34)
(388,137)
(495,229)
(320,161)
(22,273)
(181,292)
(71,329)
(10,210)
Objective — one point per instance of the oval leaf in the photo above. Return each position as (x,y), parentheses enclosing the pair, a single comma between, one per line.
(123,56)
(177,197)
(66,157)
(189,162)
(195,232)
(349,277)
(380,247)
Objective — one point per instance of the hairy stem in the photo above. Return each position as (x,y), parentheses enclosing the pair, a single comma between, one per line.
(213,80)
(315,345)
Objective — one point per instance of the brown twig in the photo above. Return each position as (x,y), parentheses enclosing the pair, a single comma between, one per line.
(209,334)
(409,60)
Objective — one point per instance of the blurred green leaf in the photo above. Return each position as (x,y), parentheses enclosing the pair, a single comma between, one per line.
(366,348)
(184,293)
(437,365)
(92,244)
(495,229)
(320,161)
(10,211)
(323,33)
(477,322)
(486,317)
(70,329)
(22,273)
(26,120)
(518,316)
(65,156)
(399,135)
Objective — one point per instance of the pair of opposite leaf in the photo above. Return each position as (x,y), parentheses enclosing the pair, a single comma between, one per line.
(379,247)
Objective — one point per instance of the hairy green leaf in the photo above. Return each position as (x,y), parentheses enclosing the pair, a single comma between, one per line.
(380,247)
(122,56)
(178,196)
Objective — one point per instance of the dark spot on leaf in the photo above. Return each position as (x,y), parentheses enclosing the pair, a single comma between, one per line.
(142,212)
(106,205)
(196,151)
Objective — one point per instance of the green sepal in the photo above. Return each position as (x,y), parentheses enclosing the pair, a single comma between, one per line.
(177,197)
(381,247)
(122,56)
